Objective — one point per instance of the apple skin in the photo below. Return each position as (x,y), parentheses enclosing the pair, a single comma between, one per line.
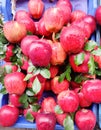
(40,53)
(20,14)
(58,53)
(45,121)
(48,105)
(57,86)
(92,90)
(14,31)
(85,119)
(98,15)
(53,19)
(68,100)
(8,115)
(14,100)
(29,23)
(14,83)
(26,41)
(36,8)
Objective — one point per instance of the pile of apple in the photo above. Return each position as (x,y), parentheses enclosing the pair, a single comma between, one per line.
(52,69)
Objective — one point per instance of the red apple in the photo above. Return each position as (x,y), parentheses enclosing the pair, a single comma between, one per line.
(14,100)
(14,31)
(85,119)
(20,14)
(40,53)
(57,87)
(68,100)
(8,115)
(48,105)
(26,41)
(14,83)
(72,39)
(58,53)
(36,8)
(98,15)
(53,19)
(45,121)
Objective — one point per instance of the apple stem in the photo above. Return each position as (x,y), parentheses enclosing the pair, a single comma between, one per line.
(53,37)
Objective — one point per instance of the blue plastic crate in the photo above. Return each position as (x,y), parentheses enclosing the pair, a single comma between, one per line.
(88,6)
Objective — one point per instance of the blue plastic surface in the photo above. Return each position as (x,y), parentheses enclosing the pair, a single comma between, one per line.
(87,6)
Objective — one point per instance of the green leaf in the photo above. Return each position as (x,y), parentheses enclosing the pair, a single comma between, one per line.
(8,69)
(29,92)
(79,78)
(68,72)
(36,71)
(58,110)
(28,76)
(90,45)
(62,77)
(57,35)
(98,72)
(32,99)
(97,52)
(35,107)
(79,58)
(68,123)
(23,98)
(31,68)
(91,65)
(36,86)
(3,90)
(25,105)
(29,117)
(45,73)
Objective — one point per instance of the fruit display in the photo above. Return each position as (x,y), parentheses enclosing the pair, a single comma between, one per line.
(52,67)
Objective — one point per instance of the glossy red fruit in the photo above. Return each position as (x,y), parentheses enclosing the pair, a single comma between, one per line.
(82,67)
(67,97)
(8,115)
(82,101)
(9,53)
(66,11)
(53,70)
(14,100)
(40,53)
(36,8)
(29,23)
(45,121)
(98,15)
(72,39)
(67,3)
(14,31)
(58,53)
(77,15)
(48,105)
(92,90)
(91,21)
(57,87)
(85,119)
(20,14)
(86,27)
(53,19)
(14,83)
(42,29)
(26,41)
(47,85)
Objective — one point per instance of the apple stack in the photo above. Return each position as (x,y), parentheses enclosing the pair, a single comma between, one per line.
(50,51)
